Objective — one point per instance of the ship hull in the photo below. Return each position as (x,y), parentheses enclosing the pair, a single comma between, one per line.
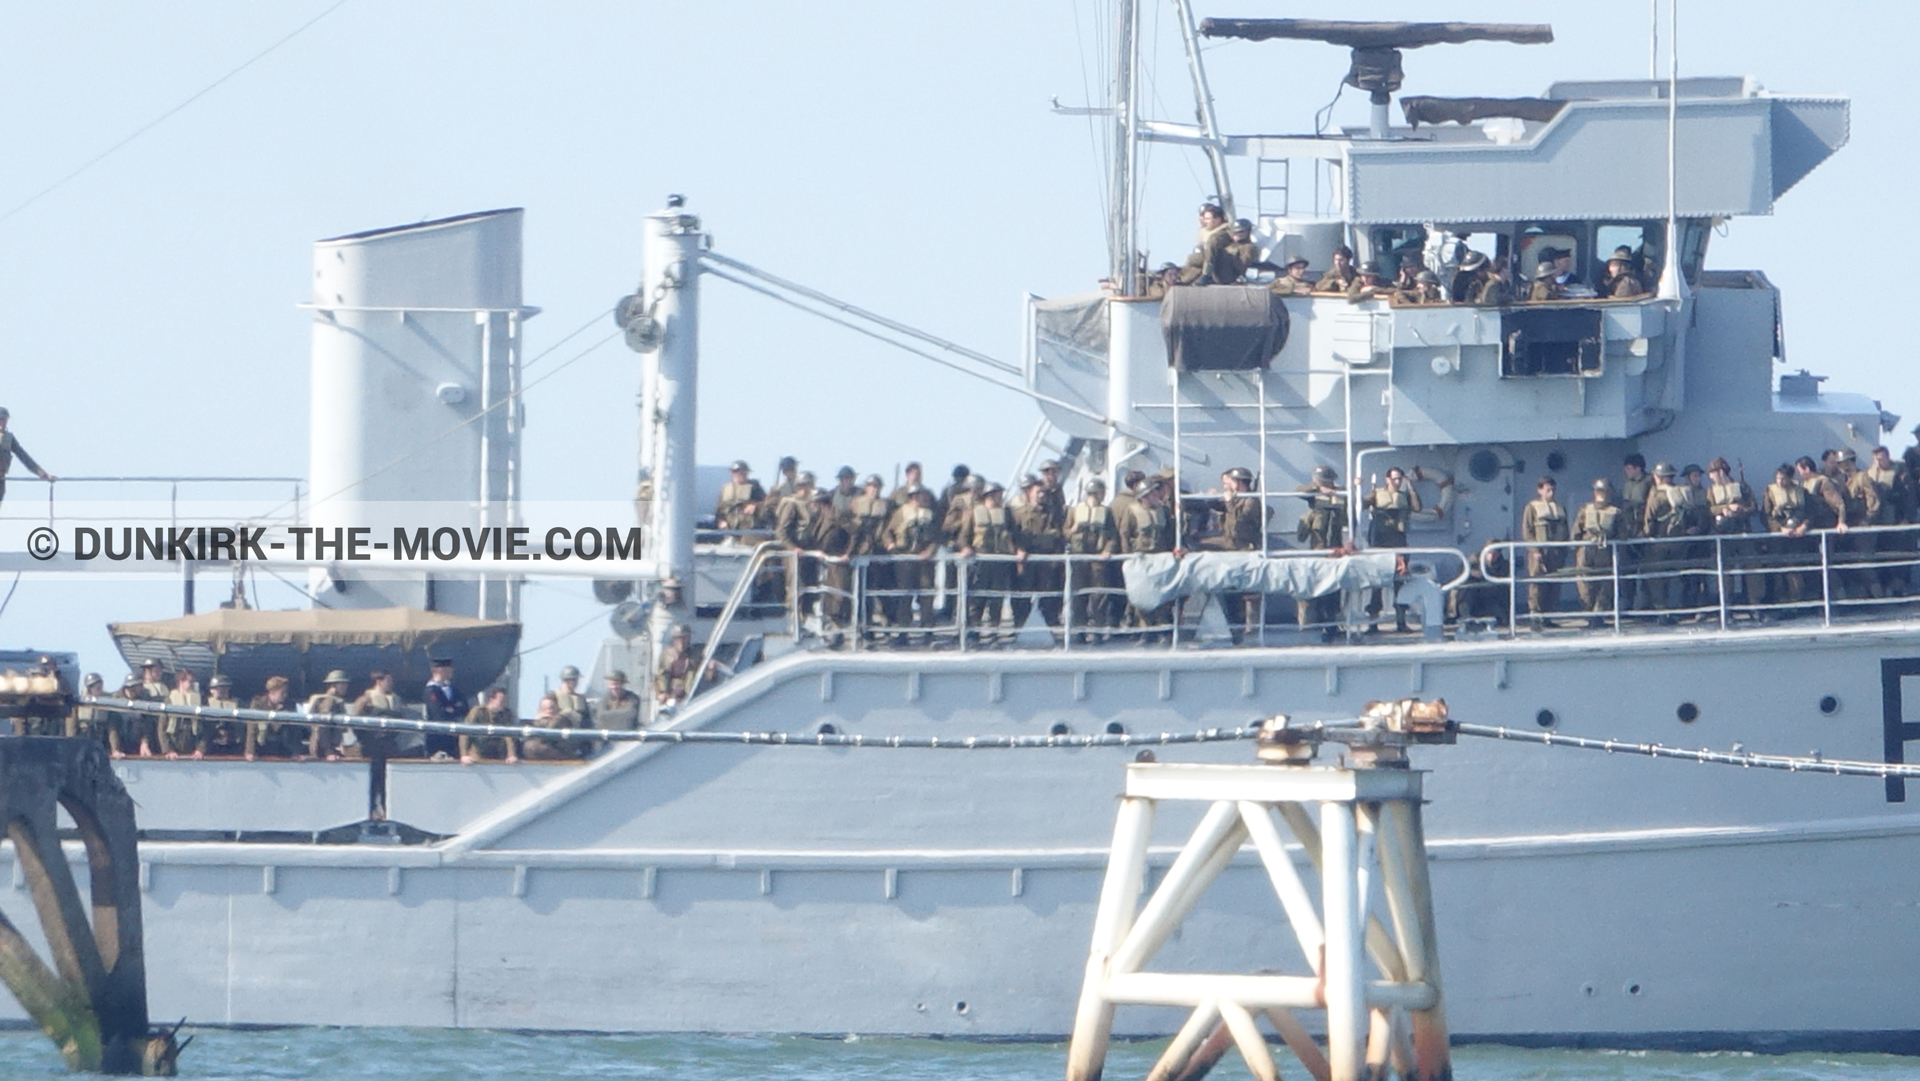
(1581,898)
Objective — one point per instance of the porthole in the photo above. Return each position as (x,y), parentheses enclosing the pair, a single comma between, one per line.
(1483,466)
(1633,989)
(960,1007)
(1059,730)
(828,730)
(1556,461)
(1688,713)
(1829,705)
(1545,718)
(1146,756)
(1115,728)
(1586,989)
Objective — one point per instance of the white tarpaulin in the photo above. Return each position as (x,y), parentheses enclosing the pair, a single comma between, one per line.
(1153,580)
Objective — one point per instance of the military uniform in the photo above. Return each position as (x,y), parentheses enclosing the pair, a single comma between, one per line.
(1543,520)
(1039,532)
(988,531)
(1599,525)
(1621,286)
(830,542)
(1212,262)
(1091,531)
(674,679)
(913,531)
(1359,290)
(1244,255)
(1862,499)
(90,722)
(277,739)
(1322,525)
(1786,511)
(617,710)
(1390,515)
(1491,292)
(180,735)
(1731,504)
(324,741)
(867,529)
(495,748)
(1673,511)
(1287,285)
(742,506)
(1337,279)
(1147,529)
(1895,486)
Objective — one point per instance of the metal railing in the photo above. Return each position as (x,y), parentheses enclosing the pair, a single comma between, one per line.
(273,508)
(950,601)
(1727,579)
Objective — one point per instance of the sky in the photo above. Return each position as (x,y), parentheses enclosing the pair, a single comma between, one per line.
(900,156)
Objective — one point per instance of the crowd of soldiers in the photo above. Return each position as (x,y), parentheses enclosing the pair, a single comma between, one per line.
(1226,254)
(974,517)
(1674,509)
(149,735)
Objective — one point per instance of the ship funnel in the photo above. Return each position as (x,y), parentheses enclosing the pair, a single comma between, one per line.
(1376,46)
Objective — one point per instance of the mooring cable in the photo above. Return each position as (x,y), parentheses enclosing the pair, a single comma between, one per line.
(1815,763)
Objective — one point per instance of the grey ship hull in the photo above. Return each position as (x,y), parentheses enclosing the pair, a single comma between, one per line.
(1582,898)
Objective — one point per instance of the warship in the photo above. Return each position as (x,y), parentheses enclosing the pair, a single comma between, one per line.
(1581,900)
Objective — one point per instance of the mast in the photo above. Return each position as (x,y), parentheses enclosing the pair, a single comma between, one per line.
(669,286)
(1203,107)
(1122,228)
(1672,285)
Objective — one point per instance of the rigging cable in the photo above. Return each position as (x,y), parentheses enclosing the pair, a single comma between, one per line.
(10,589)
(1813,763)
(1325,115)
(169,114)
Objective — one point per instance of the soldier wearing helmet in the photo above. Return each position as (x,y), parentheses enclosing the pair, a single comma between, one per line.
(1090,531)
(912,538)
(674,679)
(1390,510)
(989,531)
(1323,525)
(743,503)
(1599,524)
(1039,532)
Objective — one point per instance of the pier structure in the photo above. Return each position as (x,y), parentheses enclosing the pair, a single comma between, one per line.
(1360,828)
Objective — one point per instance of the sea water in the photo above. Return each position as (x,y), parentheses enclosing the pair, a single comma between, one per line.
(505,1056)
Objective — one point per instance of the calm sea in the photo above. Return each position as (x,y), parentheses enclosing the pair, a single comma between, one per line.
(487,1056)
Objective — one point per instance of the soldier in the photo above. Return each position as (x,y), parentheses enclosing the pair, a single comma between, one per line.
(1323,525)
(493,711)
(866,531)
(1600,524)
(1494,288)
(788,481)
(1160,281)
(1467,280)
(1052,495)
(324,741)
(1090,531)
(1244,252)
(1341,275)
(181,734)
(1211,262)
(1039,532)
(1146,530)
(845,491)
(1862,499)
(225,738)
(10,449)
(1391,508)
(1425,290)
(1480,598)
(146,728)
(899,497)
(742,501)
(444,703)
(1292,281)
(1544,520)
(572,706)
(379,700)
(1674,510)
(277,739)
(674,680)
(955,490)
(1123,501)
(619,708)
(912,538)
(1786,511)
(544,748)
(829,542)
(1620,281)
(961,504)
(90,722)
(989,530)
(1894,484)
(1731,505)
(1368,285)
(125,730)
(1546,284)
(1406,276)
(1242,529)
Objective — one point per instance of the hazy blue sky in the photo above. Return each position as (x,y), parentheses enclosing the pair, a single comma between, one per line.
(899,155)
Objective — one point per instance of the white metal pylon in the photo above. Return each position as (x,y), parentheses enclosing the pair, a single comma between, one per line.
(1358,827)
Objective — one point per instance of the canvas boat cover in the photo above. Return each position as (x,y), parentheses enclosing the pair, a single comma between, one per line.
(1153,580)
(1223,327)
(408,628)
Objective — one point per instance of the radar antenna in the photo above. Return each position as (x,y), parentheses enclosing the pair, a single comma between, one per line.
(1376,46)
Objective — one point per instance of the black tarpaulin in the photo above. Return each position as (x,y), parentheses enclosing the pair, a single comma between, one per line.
(1223,327)
(1429,110)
